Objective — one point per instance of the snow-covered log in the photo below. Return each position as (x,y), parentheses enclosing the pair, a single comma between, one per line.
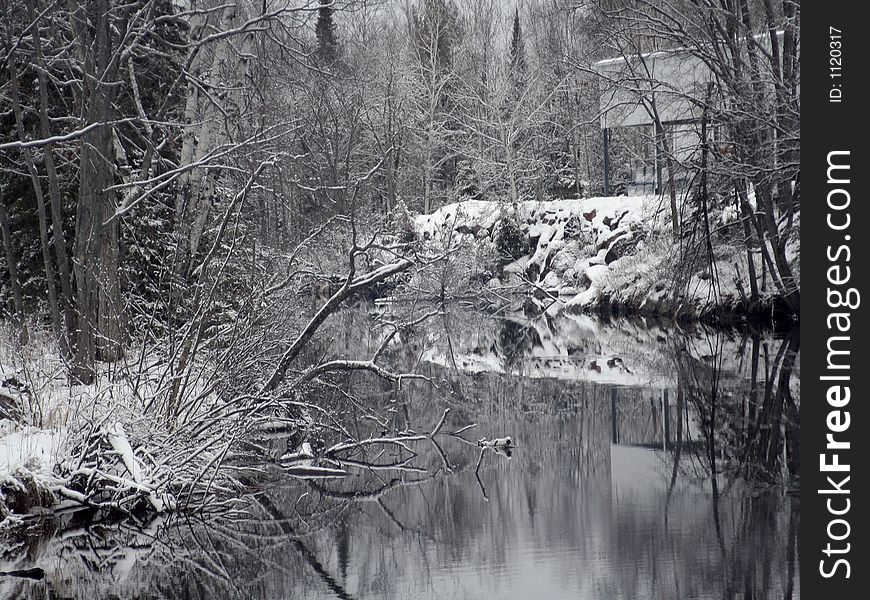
(505,442)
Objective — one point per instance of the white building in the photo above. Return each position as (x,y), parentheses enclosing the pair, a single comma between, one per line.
(652,103)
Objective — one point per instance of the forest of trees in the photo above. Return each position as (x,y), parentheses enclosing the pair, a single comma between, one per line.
(189,189)
(142,140)
(135,135)
(154,152)
(235,231)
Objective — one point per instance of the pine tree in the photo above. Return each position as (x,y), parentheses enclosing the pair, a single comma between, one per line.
(518,51)
(327,41)
(435,30)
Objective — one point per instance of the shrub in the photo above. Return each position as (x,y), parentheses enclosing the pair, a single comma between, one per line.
(510,241)
(402,223)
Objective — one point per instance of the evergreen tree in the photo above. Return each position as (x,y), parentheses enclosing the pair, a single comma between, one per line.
(327,41)
(518,51)
(436,29)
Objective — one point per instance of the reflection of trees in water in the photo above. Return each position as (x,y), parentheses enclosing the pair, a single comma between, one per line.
(387,532)
(515,340)
(738,387)
(669,559)
(750,425)
(750,434)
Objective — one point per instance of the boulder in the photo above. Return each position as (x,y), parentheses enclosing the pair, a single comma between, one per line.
(621,246)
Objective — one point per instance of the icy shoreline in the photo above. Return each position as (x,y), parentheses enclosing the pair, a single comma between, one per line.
(612,255)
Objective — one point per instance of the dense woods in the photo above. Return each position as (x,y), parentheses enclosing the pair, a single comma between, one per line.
(189,189)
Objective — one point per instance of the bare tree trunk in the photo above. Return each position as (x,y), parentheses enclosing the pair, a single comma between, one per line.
(392,164)
(60,248)
(791,292)
(427,185)
(705,209)
(662,143)
(785,286)
(769,206)
(750,261)
(96,237)
(783,62)
(40,204)
(428,169)
(17,299)
(512,177)
(203,131)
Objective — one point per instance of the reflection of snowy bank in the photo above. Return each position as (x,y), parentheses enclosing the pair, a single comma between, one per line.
(581,501)
(571,347)
(672,390)
(583,368)
(87,560)
(603,252)
(577,347)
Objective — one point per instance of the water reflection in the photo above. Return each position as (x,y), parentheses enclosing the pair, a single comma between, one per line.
(651,462)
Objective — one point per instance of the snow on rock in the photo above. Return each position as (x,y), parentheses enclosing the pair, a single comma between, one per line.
(446,221)
(551,281)
(27,479)
(543,220)
(611,251)
(590,295)
(566,237)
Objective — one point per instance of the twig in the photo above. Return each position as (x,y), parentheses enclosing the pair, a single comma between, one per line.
(440,423)
(463,429)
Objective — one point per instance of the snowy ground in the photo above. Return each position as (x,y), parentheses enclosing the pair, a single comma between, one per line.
(584,253)
(28,447)
(54,435)
(28,455)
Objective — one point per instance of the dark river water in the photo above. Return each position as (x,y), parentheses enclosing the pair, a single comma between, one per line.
(651,461)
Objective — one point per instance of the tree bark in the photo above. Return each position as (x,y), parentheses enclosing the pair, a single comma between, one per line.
(100,333)
(203,130)
(58,237)
(53,305)
(747,236)
(11,267)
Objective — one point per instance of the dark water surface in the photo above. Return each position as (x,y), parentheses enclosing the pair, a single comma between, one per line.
(651,462)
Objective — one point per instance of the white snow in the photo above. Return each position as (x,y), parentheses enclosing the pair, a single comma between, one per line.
(34,449)
(579,264)
(42,395)
(120,444)
(559,258)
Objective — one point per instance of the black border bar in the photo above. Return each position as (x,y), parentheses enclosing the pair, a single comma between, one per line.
(834,49)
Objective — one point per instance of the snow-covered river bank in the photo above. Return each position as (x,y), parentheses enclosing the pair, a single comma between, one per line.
(608,254)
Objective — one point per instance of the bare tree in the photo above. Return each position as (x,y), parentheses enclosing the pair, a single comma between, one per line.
(434,29)
(748,52)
